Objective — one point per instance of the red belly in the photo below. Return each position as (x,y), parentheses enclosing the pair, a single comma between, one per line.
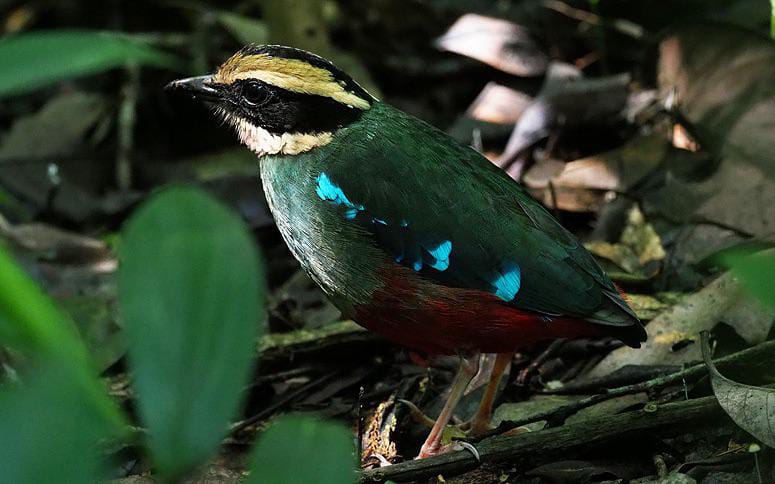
(435,319)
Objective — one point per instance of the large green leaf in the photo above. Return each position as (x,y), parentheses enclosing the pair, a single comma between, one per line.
(303,450)
(30,323)
(48,434)
(191,298)
(36,59)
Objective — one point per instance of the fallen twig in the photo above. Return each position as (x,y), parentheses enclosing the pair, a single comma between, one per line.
(558,416)
(238,427)
(345,337)
(532,448)
(628,375)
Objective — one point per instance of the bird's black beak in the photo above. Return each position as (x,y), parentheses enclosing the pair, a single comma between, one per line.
(200,87)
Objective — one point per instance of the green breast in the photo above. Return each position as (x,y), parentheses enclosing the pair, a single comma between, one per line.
(339,257)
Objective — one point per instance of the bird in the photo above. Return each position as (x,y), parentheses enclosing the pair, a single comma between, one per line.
(409,233)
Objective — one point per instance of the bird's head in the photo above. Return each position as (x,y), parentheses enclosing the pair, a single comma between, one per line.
(281,100)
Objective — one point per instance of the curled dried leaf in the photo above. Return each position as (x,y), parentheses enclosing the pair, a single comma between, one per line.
(499,43)
(751,408)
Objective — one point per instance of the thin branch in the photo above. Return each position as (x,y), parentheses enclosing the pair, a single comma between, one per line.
(534,448)
(622,26)
(558,416)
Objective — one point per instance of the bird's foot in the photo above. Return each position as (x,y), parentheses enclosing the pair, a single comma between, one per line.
(434,448)
(468,428)
(478,426)
(431,449)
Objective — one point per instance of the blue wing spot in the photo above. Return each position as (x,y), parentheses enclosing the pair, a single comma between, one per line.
(435,256)
(441,253)
(507,282)
(412,256)
(415,254)
(330,192)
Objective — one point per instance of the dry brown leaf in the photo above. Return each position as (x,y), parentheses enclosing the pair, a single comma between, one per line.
(723,83)
(724,299)
(752,408)
(638,248)
(378,437)
(499,43)
(642,238)
(619,169)
(498,104)
(683,140)
(569,199)
(567,102)
(580,186)
(645,306)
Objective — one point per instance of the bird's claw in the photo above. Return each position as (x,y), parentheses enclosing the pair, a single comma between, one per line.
(381,459)
(462,445)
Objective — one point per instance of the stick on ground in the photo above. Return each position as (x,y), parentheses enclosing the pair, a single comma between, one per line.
(530,449)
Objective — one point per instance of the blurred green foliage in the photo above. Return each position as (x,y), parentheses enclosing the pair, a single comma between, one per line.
(31,324)
(247,30)
(756,270)
(191,292)
(48,434)
(772,25)
(43,58)
(303,451)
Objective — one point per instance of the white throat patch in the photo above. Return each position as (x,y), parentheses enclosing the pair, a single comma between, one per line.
(262,142)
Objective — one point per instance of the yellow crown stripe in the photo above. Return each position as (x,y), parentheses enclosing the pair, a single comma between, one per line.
(293,75)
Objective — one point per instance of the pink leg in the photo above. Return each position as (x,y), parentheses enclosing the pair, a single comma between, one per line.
(486,362)
(469,365)
(481,421)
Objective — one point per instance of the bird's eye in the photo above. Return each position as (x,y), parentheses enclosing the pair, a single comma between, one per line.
(254,94)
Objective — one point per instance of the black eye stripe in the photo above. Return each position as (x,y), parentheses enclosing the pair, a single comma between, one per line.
(280,111)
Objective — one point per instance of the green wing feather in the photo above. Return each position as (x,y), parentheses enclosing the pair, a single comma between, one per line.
(408,176)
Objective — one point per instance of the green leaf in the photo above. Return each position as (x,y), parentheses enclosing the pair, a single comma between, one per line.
(772,21)
(36,59)
(30,323)
(303,450)
(191,299)
(757,271)
(48,434)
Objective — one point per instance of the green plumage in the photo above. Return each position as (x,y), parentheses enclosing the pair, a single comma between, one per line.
(410,183)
